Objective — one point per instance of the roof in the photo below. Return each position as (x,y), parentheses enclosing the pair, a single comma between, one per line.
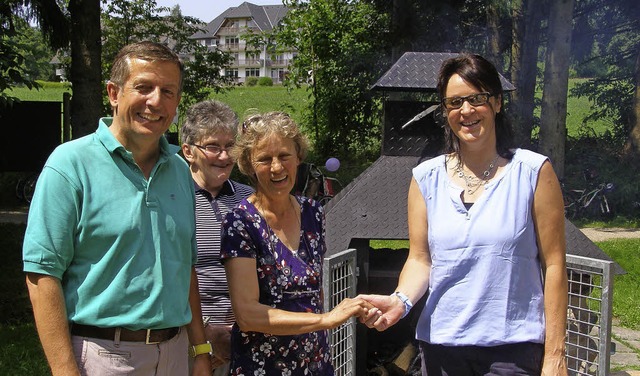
(266,18)
(374,206)
(418,71)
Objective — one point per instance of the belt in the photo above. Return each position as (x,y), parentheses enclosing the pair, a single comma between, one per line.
(148,336)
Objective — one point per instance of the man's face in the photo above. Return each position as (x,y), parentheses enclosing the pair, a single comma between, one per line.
(146,103)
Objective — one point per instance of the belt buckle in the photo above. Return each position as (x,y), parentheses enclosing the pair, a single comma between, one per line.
(147,339)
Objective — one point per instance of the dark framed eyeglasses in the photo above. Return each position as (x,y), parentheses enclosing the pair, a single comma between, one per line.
(453,103)
(213,150)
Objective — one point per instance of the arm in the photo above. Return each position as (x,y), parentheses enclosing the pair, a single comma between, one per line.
(414,278)
(195,329)
(252,316)
(548,216)
(50,316)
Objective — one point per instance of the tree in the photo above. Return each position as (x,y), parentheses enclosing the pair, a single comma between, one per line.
(610,39)
(77,27)
(338,46)
(13,63)
(127,21)
(553,116)
(526,16)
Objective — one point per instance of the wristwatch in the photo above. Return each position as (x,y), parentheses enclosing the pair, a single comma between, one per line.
(405,300)
(203,348)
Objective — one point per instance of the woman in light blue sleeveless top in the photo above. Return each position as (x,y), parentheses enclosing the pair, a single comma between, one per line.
(486,230)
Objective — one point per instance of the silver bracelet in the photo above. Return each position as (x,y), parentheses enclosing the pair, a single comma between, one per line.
(405,300)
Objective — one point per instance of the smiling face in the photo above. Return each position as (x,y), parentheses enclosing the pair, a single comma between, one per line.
(145,105)
(275,162)
(473,125)
(208,170)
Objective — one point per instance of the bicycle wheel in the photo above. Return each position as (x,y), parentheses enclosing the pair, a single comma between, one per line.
(29,187)
(20,189)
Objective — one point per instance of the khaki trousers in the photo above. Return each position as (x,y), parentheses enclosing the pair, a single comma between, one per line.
(107,357)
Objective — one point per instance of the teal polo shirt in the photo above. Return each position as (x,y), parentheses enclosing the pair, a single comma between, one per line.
(123,246)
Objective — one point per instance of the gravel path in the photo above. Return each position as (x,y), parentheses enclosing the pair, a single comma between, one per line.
(602,234)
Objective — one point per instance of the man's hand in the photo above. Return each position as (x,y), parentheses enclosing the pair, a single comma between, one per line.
(220,338)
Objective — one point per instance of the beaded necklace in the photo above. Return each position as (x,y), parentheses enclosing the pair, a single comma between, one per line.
(471,181)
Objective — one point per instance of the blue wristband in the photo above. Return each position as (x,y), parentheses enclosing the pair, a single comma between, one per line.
(405,300)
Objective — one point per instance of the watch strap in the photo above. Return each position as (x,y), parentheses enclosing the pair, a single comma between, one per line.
(405,300)
(203,348)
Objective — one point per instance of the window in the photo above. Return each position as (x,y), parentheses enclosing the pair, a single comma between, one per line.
(231,73)
(252,72)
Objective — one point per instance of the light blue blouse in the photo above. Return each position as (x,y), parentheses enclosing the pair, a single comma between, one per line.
(485,286)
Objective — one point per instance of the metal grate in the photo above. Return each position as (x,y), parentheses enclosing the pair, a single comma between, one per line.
(589,315)
(339,282)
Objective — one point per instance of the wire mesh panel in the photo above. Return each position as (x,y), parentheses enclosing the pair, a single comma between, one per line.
(589,315)
(339,282)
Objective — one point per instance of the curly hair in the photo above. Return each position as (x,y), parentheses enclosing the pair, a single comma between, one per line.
(257,127)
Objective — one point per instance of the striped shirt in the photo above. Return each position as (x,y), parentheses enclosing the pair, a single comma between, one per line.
(212,281)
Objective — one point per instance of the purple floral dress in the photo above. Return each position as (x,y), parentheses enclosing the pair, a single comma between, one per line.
(287,280)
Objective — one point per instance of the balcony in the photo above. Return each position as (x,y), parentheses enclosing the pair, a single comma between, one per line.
(242,63)
(237,30)
(232,46)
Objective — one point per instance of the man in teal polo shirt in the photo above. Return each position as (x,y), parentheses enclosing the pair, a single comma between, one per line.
(110,242)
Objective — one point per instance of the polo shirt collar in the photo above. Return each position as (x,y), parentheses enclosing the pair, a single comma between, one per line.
(114,146)
(227,189)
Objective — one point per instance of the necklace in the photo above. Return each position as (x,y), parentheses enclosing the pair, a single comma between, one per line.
(471,181)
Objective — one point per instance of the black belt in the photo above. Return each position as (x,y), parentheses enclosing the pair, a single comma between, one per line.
(148,336)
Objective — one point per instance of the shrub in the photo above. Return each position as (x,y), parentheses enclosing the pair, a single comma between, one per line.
(251,81)
(265,81)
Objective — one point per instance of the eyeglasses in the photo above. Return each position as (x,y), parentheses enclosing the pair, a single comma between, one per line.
(453,103)
(213,150)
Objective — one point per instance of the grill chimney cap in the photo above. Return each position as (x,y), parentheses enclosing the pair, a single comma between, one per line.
(418,71)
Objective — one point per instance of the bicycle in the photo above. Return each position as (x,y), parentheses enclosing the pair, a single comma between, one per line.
(588,203)
(312,182)
(25,187)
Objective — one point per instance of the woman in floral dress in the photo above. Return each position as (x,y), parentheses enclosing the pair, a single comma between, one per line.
(272,249)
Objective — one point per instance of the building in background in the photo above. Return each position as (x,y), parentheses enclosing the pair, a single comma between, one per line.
(226,33)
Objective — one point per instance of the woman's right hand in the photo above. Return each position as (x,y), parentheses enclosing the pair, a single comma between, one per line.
(345,310)
(387,311)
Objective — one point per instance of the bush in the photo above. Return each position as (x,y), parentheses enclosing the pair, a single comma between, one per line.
(265,81)
(251,81)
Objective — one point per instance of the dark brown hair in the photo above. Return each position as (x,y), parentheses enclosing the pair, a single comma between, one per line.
(480,73)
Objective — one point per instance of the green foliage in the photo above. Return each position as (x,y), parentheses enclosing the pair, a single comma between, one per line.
(265,81)
(251,81)
(626,299)
(126,21)
(14,56)
(610,41)
(338,46)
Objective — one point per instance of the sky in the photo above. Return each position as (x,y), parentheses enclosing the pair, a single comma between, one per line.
(207,10)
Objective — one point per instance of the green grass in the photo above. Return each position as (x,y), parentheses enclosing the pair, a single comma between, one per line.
(577,109)
(245,100)
(626,296)
(20,350)
(49,92)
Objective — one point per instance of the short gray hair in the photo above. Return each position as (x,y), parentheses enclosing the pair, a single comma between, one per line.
(207,118)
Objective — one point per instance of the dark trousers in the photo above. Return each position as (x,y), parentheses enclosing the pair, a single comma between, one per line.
(505,360)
